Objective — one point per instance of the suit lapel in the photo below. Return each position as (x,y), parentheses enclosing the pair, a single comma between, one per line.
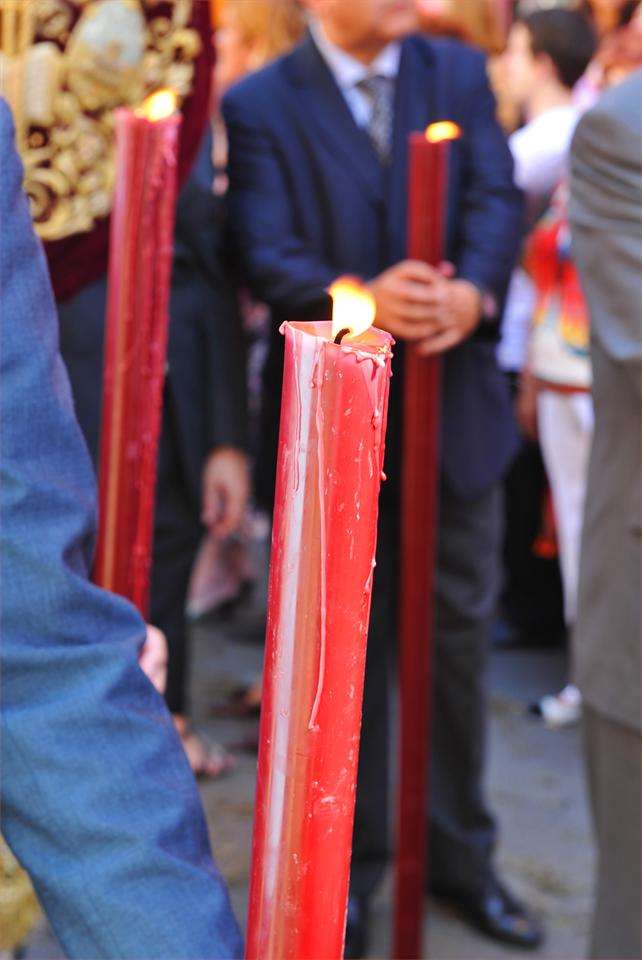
(415,108)
(323,105)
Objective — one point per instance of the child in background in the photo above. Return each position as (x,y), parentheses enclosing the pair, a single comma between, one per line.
(548,52)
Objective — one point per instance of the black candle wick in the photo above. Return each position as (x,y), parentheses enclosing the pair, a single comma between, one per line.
(341,334)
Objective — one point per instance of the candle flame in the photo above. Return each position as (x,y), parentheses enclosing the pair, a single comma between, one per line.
(158,106)
(444,130)
(353,307)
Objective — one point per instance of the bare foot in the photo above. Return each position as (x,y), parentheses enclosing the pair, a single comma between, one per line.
(206,759)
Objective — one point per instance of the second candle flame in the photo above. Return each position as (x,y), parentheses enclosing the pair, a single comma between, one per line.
(353,307)
(158,106)
(443,130)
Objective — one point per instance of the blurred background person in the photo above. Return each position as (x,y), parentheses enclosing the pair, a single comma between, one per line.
(249,34)
(608,18)
(621,51)
(547,53)
(606,222)
(481,23)
(608,15)
(203,475)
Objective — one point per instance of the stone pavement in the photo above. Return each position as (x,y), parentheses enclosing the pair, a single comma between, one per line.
(534,780)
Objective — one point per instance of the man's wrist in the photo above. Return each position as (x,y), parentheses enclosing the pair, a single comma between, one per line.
(489,306)
(487,303)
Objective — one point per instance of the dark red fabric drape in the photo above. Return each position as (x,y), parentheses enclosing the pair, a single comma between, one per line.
(76,261)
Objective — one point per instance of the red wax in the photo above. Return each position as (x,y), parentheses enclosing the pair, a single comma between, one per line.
(420,485)
(140,263)
(331,445)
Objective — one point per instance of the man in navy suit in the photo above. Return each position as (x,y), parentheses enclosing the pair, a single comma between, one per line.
(98,800)
(318,188)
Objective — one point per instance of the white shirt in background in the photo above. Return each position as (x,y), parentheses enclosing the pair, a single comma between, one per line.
(540,149)
(540,152)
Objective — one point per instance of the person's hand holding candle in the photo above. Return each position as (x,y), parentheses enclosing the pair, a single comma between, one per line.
(455,311)
(425,304)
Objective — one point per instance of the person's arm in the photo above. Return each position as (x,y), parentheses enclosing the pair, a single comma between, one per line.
(226,475)
(540,158)
(279,267)
(490,226)
(606,222)
(98,801)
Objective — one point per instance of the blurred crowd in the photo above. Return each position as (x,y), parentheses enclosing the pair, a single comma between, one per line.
(244,261)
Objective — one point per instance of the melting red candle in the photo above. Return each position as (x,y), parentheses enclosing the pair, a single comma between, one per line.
(331,447)
(140,263)
(420,487)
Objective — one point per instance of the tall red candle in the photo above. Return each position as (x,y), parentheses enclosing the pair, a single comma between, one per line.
(331,445)
(140,262)
(420,485)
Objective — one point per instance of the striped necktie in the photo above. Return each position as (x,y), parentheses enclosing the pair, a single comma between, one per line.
(379,91)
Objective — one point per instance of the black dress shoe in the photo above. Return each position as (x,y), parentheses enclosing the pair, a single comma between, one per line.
(497,914)
(356,928)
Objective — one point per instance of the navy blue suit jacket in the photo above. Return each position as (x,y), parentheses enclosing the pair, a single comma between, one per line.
(309,200)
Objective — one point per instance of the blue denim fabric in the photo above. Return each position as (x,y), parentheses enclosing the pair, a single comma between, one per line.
(98,801)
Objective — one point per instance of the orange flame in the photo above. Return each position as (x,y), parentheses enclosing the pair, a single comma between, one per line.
(353,307)
(443,130)
(158,106)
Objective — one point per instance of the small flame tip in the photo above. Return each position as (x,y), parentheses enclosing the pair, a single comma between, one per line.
(158,105)
(443,130)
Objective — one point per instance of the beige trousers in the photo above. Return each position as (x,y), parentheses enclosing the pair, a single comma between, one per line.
(613,764)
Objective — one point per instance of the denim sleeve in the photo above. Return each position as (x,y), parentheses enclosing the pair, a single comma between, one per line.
(98,801)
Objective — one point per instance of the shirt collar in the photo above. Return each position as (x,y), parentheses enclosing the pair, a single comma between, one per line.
(348,71)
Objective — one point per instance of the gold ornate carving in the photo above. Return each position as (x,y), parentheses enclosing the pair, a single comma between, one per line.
(65,65)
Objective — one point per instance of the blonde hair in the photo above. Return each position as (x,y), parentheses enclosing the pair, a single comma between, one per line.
(270,27)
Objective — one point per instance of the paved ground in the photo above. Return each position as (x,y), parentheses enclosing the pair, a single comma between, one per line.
(534,780)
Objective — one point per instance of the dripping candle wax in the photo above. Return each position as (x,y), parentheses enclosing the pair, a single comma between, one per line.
(427,194)
(140,263)
(330,460)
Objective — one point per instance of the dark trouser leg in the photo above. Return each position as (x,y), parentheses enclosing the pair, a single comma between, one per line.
(532,598)
(613,764)
(462,831)
(370,844)
(176,538)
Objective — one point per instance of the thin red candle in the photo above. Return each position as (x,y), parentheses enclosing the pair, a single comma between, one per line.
(331,445)
(140,263)
(427,190)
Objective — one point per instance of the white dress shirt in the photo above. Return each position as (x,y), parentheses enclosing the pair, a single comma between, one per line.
(541,148)
(348,72)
